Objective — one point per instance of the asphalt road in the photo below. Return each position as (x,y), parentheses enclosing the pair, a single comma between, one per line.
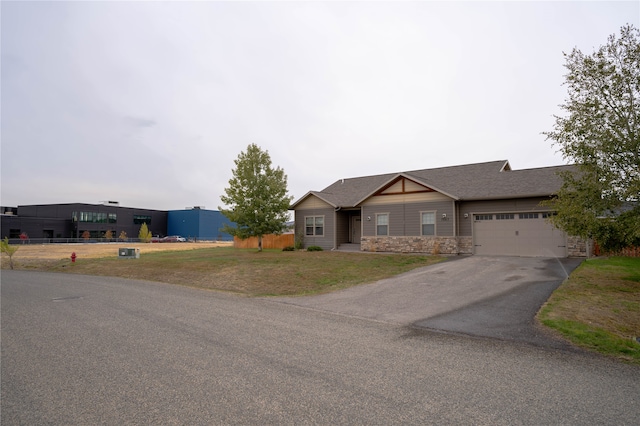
(91,350)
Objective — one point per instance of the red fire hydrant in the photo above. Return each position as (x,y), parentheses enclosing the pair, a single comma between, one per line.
(73,257)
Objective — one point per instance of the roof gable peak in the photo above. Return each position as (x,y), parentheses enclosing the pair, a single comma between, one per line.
(403,185)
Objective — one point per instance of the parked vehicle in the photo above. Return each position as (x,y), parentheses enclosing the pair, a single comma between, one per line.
(173,239)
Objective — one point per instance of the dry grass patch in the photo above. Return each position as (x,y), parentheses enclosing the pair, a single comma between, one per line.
(246,271)
(35,255)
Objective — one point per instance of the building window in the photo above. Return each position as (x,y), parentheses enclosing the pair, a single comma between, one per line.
(90,217)
(505,216)
(547,215)
(139,219)
(113,218)
(14,233)
(484,217)
(528,215)
(382,224)
(314,226)
(428,223)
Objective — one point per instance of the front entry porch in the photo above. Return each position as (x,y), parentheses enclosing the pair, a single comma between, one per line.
(348,230)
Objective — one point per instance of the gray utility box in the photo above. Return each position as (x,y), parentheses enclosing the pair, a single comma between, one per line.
(128,253)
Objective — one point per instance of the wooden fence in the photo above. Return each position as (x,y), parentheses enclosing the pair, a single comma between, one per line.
(268,242)
(627,252)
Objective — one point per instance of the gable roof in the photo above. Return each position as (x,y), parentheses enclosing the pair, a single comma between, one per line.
(479,181)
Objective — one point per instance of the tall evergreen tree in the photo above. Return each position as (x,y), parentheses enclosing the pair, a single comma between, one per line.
(257,196)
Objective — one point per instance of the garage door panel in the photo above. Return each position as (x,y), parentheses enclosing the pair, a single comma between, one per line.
(518,237)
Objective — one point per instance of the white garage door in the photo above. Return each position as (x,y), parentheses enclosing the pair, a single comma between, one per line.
(517,234)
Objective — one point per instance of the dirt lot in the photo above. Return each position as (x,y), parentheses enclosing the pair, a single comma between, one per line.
(29,253)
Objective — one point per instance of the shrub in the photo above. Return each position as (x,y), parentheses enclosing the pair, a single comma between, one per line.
(289,248)
(314,248)
(9,250)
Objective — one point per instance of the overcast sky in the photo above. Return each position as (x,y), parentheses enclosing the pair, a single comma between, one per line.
(149,103)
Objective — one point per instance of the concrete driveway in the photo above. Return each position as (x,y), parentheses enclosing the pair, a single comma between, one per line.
(486,296)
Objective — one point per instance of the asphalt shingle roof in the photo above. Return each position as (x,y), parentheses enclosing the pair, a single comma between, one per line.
(491,180)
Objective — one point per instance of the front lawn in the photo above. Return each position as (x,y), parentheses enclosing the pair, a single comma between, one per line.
(598,307)
(246,271)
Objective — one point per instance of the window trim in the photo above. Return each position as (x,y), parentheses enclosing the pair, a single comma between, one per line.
(314,226)
(435,231)
(387,225)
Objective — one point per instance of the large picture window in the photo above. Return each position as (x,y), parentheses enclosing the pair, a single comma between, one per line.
(314,226)
(428,223)
(382,224)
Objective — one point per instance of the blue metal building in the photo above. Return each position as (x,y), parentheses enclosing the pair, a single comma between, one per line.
(197,223)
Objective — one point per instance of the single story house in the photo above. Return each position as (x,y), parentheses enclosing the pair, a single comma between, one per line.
(484,208)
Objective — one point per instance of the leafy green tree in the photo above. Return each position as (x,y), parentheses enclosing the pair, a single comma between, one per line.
(256,196)
(144,234)
(8,249)
(600,133)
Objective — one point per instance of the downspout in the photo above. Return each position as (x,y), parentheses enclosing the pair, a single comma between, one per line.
(456,218)
(335,228)
(361,226)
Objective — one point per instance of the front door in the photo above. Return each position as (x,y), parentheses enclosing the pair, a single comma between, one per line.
(356,229)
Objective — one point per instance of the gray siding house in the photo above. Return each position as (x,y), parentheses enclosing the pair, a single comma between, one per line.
(483,208)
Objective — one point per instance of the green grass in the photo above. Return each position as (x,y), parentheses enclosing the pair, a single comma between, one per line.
(598,307)
(246,271)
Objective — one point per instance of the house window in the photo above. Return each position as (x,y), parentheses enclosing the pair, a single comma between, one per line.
(528,215)
(382,224)
(504,216)
(547,215)
(484,217)
(428,223)
(314,226)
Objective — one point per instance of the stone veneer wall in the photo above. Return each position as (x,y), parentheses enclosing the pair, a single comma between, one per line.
(577,247)
(430,245)
(465,245)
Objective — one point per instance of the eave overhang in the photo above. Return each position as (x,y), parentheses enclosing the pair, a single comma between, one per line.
(315,194)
